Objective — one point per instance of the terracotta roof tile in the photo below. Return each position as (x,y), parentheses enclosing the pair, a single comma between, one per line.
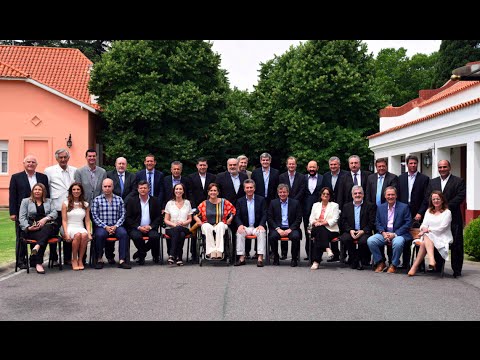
(9,71)
(62,69)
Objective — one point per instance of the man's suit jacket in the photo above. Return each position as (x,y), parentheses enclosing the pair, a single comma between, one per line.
(402,220)
(311,198)
(129,185)
(371,186)
(158,184)
(168,186)
(133,214)
(344,194)
(454,193)
(227,190)
(241,217)
(58,188)
(275,214)
(327,182)
(297,191)
(419,197)
(20,189)
(367,218)
(199,193)
(273,181)
(82,175)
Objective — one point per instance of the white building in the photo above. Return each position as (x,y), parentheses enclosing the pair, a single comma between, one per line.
(441,124)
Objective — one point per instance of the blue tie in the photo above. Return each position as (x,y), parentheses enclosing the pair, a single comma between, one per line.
(120,176)
(355,181)
(150,183)
(379,190)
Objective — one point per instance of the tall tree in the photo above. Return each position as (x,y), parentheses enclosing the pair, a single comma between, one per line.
(454,54)
(318,100)
(163,97)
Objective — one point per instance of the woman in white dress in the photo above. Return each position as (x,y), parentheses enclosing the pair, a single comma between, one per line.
(435,232)
(75,214)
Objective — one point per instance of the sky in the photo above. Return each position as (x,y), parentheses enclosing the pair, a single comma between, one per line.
(242,58)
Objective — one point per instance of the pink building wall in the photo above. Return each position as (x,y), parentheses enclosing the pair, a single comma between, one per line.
(35,120)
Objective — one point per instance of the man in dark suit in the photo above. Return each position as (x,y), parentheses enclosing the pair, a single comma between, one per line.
(251,219)
(412,190)
(378,182)
(454,190)
(138,225)
(199,182)
(153,177)
(356,223)
(170,181)
(231,182)
(296,185)
(21,185)
(354,177)
(392,222)
(333,178)
(284,219)
(313,185)
(123,186)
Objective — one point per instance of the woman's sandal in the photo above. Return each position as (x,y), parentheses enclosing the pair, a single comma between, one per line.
(170,260)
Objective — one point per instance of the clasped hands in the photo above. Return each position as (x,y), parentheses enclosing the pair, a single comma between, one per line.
(38,225)
(355,234)
(284,233)
(111,229)
(241,229)
(388,236)
(320,223)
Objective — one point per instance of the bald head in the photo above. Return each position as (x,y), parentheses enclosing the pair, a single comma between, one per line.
(121,164)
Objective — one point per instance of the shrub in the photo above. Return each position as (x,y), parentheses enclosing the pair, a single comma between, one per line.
(472,238)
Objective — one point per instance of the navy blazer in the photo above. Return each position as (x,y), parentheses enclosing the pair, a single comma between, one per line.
(273,181)
(227,190)
(327,182)
(371,187)
(402,221)
(167,182)
(133,214)
(367,218)
(310,199)
(344,193)
(297,191)
(129,185)
(241,218)
(275,214)
(20,189)
(158,184)
(419,197)
(199,193)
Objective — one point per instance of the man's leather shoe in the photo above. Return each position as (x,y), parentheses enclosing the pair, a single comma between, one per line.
(305,258)
(294,263)
(380,267)
(135,255)
(276,260)
(141,261)
(360,267)
(392,269)
(99,265)
(457,274)
(283,257)
(156,260)
(334,259)
(259,263)
(124,265)
(240,263)
(112,261)
(22,266)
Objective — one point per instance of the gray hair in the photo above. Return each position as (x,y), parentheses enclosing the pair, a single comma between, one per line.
(354,156)
(242,157)
(390,188)
(59,151)
(335,158)
(176,162)
(265,155)
(283,186)
(250,181)
(357,187)
(291,158)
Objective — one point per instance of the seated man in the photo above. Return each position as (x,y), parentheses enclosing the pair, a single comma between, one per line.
(393,222)
(142,219)
(251,220)
(108,213)
(284,219)
(356,223)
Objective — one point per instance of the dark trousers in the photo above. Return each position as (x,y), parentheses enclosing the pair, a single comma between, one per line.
(41,236)
(295,236)
(363,252)
(153,242)
(177,238)
(67,246)
(322,237)
(307,235)
(100,238)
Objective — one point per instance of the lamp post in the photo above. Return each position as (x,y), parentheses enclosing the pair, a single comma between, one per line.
(69,141)
(467,73)
(427,160)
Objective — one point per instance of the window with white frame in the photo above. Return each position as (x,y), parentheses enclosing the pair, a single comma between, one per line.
(3,156)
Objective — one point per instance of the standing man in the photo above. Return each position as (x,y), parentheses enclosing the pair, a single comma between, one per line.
(231,181)
(412,190)
(313,185)
(60,177)
(378,182)
(392,222)
(296,185)
(354,177)
(123,181)
(242,165)
(153,177)
(108,213)
(21,185)
(251,219)
(143,219)
(266,179)
(454,190)
(333,178)
(284,219)
(91,176)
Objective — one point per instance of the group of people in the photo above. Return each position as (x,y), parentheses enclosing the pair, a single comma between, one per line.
(362,210)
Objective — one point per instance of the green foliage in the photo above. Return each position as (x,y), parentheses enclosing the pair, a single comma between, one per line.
(7,240)
(162,97)
(398,78)
(454,54)
(317,100)
(472,239)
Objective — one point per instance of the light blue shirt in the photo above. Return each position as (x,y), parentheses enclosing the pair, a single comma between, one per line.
(284,206)
(145,212)
(236,182)
(251,211)
(357,209)
(266,176)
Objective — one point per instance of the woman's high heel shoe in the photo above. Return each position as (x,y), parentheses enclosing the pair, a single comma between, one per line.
(432,267)
(411,273)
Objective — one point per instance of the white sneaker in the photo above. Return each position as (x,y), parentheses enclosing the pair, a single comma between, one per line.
(314,266)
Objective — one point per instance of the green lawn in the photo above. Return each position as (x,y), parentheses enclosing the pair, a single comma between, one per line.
(7,238)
